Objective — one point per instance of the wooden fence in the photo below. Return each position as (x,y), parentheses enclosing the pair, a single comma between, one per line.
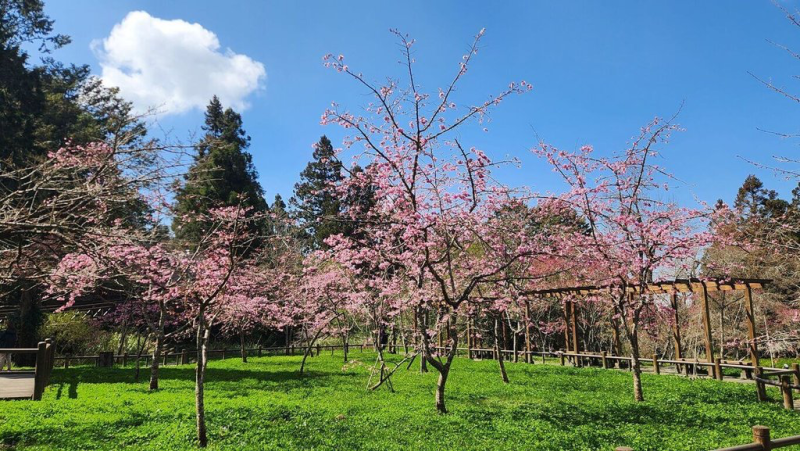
(786,379)
(39,377)
(761,442)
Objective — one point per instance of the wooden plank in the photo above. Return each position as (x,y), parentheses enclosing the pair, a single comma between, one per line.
(16,385)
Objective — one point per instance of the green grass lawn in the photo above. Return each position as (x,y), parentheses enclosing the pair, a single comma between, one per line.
(264,404)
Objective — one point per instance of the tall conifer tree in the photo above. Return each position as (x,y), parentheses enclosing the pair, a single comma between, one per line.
(222,174)
(316,204)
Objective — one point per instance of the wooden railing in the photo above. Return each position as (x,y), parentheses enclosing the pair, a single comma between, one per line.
(44,365)
(761,442)
(786,379)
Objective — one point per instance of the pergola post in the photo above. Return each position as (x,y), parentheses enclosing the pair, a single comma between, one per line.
(751,325)
(574,324)
(566,325)
(707,326)
(676,328)
(469,337)
(528,350)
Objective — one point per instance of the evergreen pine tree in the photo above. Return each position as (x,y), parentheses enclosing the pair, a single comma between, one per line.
(317,205)
(222,174)
(756,201)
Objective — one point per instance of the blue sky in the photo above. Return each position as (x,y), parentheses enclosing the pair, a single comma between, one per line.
(600,71)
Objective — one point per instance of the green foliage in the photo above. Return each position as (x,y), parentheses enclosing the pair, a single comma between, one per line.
(265,405)
(43,105)
(75,334)
(317,204)
(753,200)
(222,174)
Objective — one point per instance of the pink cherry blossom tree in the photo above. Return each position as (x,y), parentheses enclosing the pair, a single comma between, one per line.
(434,225)
(634,234)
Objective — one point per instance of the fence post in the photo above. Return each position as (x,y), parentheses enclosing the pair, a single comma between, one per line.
(786,389)
(796,369)
(561,356)
(39,371)
(51,359)
(603,359)
(184,357)
(761,391)
(718,368)
(761,436)
(66,362)
(656,369)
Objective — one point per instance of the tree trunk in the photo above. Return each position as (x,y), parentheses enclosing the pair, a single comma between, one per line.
(443,367)
(423,327)
(199,387)
(28,323)
(139,349)
(345,345)
(497,349)
(310,347)
(244,351)
(440,385)
(638,395)
(123,339)
(616,343)
(156,361)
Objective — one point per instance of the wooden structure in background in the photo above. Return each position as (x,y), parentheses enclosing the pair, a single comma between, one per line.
(700,287)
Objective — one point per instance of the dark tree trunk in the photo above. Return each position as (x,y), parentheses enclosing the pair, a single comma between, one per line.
(499,352)
(123,340)
(638,394)
(158,349)
(156,361)
(244,350)
(30,318)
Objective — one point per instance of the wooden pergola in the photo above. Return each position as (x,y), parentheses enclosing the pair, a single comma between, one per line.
(671,287)
(49,306)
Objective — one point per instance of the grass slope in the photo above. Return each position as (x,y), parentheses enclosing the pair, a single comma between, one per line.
(265,405)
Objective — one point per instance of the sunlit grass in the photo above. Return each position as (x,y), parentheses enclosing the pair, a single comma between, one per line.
(265,404)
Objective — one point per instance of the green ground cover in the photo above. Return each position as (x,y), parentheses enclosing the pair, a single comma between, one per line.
(264,404)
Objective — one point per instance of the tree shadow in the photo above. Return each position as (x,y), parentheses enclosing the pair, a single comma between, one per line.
(224,380)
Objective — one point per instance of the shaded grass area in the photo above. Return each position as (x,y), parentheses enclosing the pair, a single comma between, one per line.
(265,404)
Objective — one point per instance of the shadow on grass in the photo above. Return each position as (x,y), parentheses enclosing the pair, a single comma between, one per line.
(258,377)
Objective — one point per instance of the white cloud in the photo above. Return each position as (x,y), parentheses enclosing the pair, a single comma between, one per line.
(174,65)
